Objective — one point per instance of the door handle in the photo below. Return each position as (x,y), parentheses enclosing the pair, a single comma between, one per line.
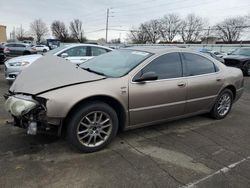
(181,84)
(218,79)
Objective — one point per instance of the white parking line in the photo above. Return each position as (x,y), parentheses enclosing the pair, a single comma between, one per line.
(222,170)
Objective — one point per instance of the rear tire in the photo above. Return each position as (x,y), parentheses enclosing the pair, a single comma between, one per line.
(222,105)
(92,126)
(44,50)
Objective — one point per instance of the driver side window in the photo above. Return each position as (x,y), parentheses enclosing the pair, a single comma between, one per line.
(166,66)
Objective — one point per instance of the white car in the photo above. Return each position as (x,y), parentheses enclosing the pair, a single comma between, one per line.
(41,48)
(76,53)
(218,54)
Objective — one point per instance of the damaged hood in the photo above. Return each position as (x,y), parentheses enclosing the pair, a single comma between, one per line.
(48,73)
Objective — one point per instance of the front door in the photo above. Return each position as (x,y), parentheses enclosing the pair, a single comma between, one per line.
(154,101)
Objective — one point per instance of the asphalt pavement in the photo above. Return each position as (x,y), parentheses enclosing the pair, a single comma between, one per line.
(193,152)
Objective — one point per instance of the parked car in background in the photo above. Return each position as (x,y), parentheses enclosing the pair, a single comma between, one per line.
(240,58)
(218,54)
(18,49)
(76,53)
(2,55)
(213,56)
(122,89)
(41,48)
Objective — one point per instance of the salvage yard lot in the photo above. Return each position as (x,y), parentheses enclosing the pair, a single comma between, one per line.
(194,152)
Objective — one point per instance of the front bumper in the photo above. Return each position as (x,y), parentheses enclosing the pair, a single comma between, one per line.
(34,119)
(12,72)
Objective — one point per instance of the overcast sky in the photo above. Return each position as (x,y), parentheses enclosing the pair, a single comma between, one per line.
(125,13)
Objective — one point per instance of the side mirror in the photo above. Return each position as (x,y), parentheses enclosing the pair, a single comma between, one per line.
(64,55)
(148,76)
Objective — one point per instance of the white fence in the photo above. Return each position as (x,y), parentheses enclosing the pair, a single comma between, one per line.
(216,47)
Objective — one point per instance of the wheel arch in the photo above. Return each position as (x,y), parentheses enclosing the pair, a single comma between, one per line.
(232,88)
(111,101)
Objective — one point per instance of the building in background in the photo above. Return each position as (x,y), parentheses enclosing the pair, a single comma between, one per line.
(210,40)
(3,35)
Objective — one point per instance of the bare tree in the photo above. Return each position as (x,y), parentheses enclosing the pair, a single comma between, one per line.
(151,28)
(138,36)
(148,32)
(20,33)
(191,28)
(59,30)
(77,31)
(230,29)
(169,27)
(39,29)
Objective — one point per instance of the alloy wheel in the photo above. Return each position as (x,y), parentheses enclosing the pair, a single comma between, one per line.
(94,129)
(224,104)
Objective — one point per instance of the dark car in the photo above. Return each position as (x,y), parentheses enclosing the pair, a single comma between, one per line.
(240,58)
(17,49)
(2,55)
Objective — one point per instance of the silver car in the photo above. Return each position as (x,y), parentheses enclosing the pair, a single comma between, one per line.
(76,53)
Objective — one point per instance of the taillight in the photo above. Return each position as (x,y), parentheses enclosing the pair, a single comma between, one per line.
(6,50)
(33,48)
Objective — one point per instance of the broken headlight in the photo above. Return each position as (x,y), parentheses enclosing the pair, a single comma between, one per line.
(19,105)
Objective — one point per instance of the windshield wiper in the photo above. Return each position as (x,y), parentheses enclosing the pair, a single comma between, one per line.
(93,71)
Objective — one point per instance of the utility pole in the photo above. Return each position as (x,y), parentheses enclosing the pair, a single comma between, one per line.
(107,25)
(208,33)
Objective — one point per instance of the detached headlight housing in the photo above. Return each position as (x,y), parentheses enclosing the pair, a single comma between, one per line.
(20,105)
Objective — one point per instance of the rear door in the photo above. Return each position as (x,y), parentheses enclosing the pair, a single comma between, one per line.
(204,82)
(164,98)
(19,49)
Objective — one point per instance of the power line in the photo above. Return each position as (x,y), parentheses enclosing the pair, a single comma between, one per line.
(152,8)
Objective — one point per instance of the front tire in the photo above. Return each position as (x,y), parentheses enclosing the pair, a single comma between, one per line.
(222,105)
(92,127)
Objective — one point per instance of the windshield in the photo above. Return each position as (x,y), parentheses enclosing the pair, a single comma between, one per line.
(242,51)
(116,63)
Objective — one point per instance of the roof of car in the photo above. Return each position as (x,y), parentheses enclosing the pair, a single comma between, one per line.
(86,44)
(26,44)
(159,49)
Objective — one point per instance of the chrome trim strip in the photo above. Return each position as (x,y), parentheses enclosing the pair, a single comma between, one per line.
(170,104)
(202,98)
(156,106)
(184,78)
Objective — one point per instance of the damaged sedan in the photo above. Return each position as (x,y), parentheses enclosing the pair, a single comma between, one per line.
(120,90)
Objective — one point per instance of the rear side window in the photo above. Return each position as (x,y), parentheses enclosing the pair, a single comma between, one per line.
(98,51)
(20,45)
(10,45)
(165,66)
(196,65)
